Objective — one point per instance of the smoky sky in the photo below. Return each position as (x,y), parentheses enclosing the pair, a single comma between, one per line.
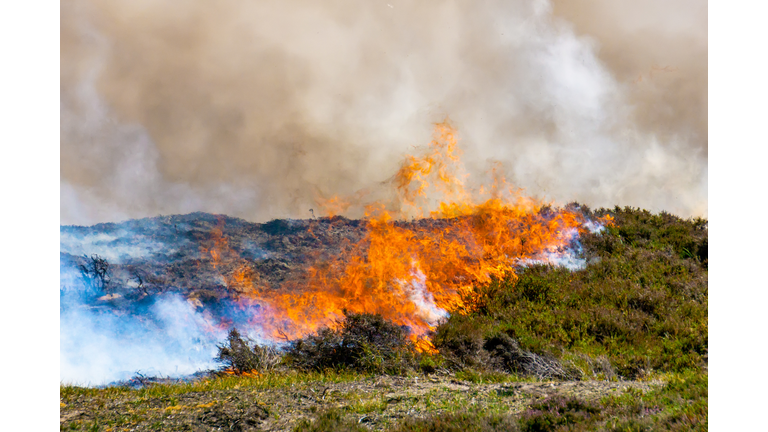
(257,109)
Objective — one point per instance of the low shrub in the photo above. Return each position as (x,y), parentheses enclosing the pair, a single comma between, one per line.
(241,354)
(460,341)
(507,356)
(465,345)
(460,422)
(329,420)
(362,342)
(559,412)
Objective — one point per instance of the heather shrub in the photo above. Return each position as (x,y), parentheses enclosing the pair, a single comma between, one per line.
(363,342)
(460,341)
(241,354)
(329,420)
(460,422)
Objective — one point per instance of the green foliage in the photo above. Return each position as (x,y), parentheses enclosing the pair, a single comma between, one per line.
(681,405)
(558,411)
(641,228)
(640,303)
(361,342)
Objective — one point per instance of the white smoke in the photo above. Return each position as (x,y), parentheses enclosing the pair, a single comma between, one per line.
(255,108)
(102,347)
(416,288)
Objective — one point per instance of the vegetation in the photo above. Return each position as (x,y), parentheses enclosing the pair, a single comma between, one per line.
(638,310)
(680,405)
(241,354)
(361,342)
(96,273)
(640,305)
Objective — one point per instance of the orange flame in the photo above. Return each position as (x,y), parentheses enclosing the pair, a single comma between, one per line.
(253,373)
(414,274)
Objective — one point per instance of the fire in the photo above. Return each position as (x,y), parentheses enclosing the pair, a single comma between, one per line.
(253,373)
(415,273)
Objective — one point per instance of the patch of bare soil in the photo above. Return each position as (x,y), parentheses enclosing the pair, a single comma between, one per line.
(377,403)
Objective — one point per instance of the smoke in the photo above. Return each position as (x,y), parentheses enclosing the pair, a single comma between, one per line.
(255,109)
(169,338)
(103,341)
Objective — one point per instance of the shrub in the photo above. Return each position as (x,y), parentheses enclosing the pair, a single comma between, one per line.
(96,272)
(363,342)
(460,422)
(508,356)
(329,420)
(460,341)
(241,354)
(555,411)
(465,343)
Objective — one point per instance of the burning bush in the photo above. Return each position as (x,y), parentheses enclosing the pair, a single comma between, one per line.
(242,355)
(362,341)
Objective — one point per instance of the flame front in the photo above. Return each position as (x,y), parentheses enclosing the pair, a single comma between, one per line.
(415,273)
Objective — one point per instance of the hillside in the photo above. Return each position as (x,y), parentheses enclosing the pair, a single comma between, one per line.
(541,348)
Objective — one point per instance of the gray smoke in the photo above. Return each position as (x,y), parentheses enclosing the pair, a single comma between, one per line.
(255,109)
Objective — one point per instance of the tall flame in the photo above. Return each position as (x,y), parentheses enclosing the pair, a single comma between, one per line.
(416,273)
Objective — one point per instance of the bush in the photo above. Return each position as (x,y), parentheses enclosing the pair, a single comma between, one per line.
(363,342)
(460,422)
(241,354)
(329,420)
(460,341)
(508,356)
(556,411)
(465,343)
(96,273)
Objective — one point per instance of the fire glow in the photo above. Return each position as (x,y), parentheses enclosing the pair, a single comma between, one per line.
(413,273)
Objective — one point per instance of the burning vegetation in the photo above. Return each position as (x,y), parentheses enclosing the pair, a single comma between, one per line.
(442,277)
(471,294)
(411,273)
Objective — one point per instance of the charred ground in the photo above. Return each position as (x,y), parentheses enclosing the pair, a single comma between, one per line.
(169,253)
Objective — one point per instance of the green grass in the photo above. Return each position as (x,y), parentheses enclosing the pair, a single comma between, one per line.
(261,382)
(680,405)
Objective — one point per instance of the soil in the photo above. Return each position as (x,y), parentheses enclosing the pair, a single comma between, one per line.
(377,403)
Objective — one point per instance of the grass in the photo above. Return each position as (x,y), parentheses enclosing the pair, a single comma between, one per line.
(262,382)
(680,405)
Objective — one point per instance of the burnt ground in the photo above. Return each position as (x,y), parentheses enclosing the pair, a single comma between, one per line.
(173,254)
(377,403)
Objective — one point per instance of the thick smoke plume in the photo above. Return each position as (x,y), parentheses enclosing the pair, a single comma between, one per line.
(257,109)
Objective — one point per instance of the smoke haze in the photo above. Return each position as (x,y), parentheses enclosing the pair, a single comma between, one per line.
(256,109)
